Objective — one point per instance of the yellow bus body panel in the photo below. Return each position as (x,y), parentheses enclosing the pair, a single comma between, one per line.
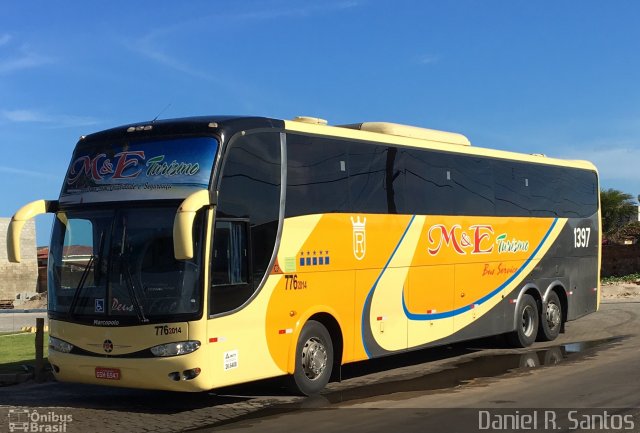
(391,282)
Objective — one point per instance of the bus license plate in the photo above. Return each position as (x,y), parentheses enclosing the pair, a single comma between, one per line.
(107,373)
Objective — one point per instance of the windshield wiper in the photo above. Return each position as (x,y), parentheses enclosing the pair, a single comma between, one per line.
(98,265)
(94,259)
(128,278)
(133,292)
(83,279)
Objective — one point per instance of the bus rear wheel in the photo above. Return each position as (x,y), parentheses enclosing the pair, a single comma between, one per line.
(551,319)
(527,322)
(314,360)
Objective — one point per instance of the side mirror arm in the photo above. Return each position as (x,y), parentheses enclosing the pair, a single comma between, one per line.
(183,223)
(24,214)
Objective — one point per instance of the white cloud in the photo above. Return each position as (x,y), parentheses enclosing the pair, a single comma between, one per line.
(146,47)
(54,120)
(307,10)
(21,58)
(4,39)
(23,61)
(24,116)
(427,59)
(614,162)
(31,173)
(150,45)
(156,45)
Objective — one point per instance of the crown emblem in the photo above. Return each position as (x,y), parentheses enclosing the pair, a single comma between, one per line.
(359,237)
(357,224)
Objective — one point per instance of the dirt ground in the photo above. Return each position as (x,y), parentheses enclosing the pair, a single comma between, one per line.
(621,292)
(38,302)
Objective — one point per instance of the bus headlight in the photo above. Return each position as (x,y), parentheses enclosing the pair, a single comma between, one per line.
(59,345)
(173,349)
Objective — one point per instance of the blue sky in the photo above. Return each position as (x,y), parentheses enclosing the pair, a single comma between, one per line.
(554,77)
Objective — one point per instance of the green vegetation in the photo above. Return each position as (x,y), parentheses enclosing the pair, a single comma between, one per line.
(630,231)
(18,349)
(616,208)
(631,278)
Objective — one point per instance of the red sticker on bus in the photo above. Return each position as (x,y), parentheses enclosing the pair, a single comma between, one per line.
(107,373)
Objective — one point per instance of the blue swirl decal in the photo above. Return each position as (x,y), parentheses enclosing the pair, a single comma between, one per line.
(367,303)
(446,314)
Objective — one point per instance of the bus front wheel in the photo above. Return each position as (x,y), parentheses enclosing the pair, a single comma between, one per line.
(527,322)
(314,360)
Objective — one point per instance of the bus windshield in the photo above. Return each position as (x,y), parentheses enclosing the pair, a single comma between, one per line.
(119,264)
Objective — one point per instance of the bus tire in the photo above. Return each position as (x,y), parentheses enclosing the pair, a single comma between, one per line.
(314,360)
(550,318)
(527,321)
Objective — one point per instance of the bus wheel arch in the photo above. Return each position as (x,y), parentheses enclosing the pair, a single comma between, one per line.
(553,314)
(317,355)
(564,302)
(337,339)
(526,318)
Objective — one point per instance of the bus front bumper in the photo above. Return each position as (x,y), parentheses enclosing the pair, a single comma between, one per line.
(176,373)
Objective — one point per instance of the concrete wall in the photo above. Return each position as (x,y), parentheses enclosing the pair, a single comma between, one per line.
(18,277)
(620,260)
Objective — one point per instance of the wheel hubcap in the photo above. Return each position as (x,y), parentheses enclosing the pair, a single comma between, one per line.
(527,320)
(314,358)
(553,315)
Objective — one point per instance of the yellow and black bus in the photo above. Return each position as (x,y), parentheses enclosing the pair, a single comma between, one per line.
(196,253)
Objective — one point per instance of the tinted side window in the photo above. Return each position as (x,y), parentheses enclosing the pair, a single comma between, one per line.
(331,175)
(584,187)
(557,191)
(250,191)
(511,188)
(317,179)
(375,181)
(472,178)
(547,191)
(230,254)
(230,280)
(427,187)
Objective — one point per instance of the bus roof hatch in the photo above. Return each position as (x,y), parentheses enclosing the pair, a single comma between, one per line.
(411,132)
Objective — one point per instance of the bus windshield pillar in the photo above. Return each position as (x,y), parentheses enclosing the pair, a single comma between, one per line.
(183,223)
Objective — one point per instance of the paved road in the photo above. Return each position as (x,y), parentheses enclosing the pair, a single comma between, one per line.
(435,390)
(12,321)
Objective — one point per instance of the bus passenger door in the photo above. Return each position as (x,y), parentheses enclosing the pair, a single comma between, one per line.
(384,324)
(231,284)
(429,299)
(246,226)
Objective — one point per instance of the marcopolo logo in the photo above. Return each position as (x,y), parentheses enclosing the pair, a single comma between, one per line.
(25,420)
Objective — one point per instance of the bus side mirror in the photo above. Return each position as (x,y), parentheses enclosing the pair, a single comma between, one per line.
(183,224)
(24,214)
